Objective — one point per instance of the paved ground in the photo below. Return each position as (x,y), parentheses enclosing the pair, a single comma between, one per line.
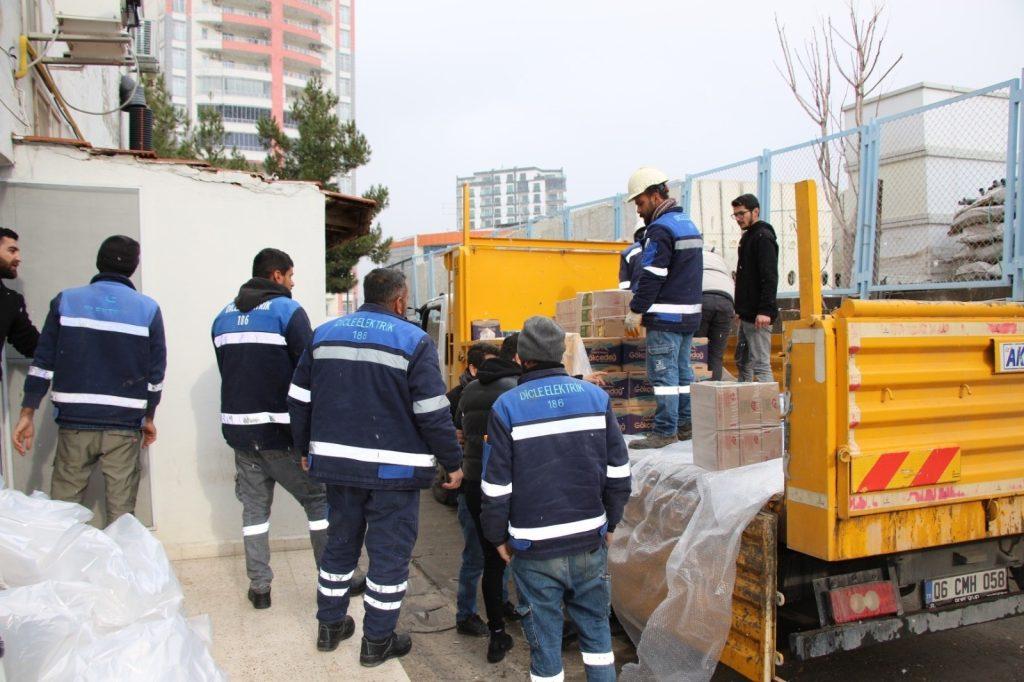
(279,643)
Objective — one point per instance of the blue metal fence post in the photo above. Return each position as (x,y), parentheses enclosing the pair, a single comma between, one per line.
(618,217)
(567,223)
(867,217)
(1009,224)
(1018,236)
(529,228)
(430,274)
(415,283)
(687,196)
(764,184)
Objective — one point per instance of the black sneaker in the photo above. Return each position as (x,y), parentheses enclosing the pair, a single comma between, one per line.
(330,635)
(358,584)
(372,654)
(500,643)
(511,615)
(685,432)
(260,600)
(473,626)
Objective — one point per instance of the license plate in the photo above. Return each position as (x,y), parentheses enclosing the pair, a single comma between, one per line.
(967,587)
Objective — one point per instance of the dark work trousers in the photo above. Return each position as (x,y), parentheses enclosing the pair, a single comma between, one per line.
(387,521)
(716,317)
(494,565)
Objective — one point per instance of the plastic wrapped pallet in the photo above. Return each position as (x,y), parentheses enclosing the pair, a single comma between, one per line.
(673,561)
(86,604)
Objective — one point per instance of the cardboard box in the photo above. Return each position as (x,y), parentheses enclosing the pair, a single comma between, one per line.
(634,354)
(715,407)
(772,443)
(639,386)
(751,447)
(616,385)
(699,350)
(609,328)
(614,298)
(749,401)
(568,308)
(721,450)
(602,313)
(640,417)
(604,354)
(771,412)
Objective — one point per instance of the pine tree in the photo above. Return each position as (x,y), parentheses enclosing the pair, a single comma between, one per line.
(326,149)
(170,125)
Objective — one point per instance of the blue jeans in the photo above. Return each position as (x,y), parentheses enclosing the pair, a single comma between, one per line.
(668,370)
(581,581)
(472,566)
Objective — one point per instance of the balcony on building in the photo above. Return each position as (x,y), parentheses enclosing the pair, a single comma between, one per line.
(311,32)
(309,9)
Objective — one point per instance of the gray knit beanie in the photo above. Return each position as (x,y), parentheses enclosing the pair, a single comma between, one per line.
(541,340)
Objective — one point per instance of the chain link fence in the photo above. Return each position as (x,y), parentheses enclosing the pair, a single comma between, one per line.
(940,192)
(708,197)
(833,164)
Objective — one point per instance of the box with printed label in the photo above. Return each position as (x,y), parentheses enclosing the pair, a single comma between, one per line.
(751,446)
(614,298)
(749,401)
(639,386)
(567,309)
(602,313)
(699,350)
(771,413)
(715,406)
(641,417)
(721,450)
(604,354)
(634,354)
(616,385)
(772,442)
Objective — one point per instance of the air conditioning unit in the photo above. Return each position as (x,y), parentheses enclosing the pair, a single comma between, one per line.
(145,47)
(94,19)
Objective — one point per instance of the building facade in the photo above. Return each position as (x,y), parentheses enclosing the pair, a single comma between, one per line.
(510,196)
(252,58)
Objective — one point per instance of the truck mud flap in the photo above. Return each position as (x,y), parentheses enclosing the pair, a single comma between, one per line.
(750,649)
(815,643)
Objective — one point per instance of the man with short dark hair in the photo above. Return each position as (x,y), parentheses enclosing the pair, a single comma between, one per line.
(103,348)
(15,325)
(757,281)
(555,481)
(258,339)
(666,300)
(369,415)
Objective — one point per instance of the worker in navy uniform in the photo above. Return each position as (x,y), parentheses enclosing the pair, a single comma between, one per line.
(629,259)
(370,416)
(259,338)
(555,481)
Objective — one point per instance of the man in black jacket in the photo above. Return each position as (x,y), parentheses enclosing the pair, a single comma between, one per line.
(494,376)
(757,280)
(15,326)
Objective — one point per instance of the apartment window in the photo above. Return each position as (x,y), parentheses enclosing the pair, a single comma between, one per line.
(345,12)
(508,178)
(179,59)
(344,87)
(179,5)
(536,198)
(246,141)
(236,113)
(344,62)
(522,176)
(346,38)
(345,111)
(180,30)
(244,87)
(536,187)
(179,86)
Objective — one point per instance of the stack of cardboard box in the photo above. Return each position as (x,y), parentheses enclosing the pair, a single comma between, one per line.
(735,424)
(599,317)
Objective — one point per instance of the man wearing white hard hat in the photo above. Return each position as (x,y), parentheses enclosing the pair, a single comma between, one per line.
(667,302)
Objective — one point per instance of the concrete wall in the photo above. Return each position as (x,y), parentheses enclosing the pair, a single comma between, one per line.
(93,88)
(199,231)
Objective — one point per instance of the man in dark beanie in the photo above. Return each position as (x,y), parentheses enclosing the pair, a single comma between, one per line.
(555,481)
(102,347)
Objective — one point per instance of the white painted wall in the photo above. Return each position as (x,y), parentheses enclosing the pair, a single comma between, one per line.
(199,233)
(93,88)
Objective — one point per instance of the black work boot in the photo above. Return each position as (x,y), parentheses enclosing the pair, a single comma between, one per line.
(685,431)
(260,600)
(330,635)
(500,643)
(374,653)
(652,441)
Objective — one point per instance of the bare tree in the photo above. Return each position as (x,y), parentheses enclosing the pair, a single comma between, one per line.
(857,59)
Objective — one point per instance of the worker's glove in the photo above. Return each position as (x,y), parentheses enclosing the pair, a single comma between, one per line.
(633,322)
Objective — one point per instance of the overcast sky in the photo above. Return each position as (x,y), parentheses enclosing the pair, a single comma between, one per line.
(599,87)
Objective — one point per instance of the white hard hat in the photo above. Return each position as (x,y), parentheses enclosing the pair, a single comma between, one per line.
(643,178)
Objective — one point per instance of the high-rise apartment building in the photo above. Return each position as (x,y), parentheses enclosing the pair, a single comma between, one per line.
(251,58)
(510,196)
